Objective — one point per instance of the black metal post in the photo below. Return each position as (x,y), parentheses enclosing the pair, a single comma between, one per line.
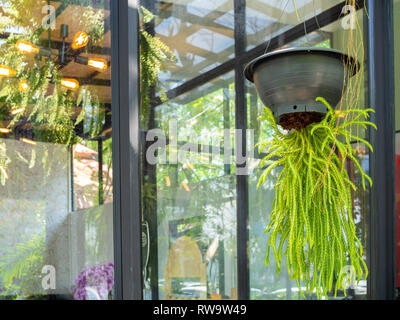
(381,251)
(241,179)
(126,144)
(150,179)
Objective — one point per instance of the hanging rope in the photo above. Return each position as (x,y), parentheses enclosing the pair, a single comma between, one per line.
(299,19)
(283,11)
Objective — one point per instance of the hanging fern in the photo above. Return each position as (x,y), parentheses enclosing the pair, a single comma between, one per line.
(312,209)
(153,53)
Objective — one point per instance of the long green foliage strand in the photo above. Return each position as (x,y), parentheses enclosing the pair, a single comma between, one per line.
(312,209)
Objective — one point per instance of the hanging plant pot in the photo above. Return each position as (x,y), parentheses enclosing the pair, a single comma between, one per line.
(289,81)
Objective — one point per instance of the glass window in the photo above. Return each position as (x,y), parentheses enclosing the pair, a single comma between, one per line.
(188,191)
(189,198)
(189,194)
(198,32)
(56,216)
(266,19)
(273,19)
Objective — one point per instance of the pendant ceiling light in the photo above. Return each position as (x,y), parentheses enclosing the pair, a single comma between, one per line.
(7,72)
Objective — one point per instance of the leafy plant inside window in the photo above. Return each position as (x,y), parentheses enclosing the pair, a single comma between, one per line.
(311,223)
(312,210)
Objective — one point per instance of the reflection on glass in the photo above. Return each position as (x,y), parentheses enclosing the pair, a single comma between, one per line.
(55,151)
(189,197)
(264,283)
(199,33)
(267,19)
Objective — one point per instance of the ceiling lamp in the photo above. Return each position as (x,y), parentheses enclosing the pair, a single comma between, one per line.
(23,86)
(7,72)
(31,142)
(16,111)
(98,64)
(4,130)
(81,40)
(64,56)
(26,47)
(71,84)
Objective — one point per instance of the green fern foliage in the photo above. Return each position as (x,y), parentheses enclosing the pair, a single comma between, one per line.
(153,53)
(311,221)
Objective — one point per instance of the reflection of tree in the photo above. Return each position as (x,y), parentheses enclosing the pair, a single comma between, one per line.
(153,52)
(86,177)
(48,112)
(51,113)
(21,268)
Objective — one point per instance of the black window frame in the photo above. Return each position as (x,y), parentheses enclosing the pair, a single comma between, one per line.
(126,140)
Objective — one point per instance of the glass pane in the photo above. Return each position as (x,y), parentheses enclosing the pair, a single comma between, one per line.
(267,19)
(189,197)
(271,18)
(188,191)
(198,32)
(56,216)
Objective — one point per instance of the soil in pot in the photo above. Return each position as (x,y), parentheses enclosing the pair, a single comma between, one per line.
(299,120)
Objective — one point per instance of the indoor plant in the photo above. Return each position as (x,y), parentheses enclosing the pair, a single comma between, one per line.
(312,211)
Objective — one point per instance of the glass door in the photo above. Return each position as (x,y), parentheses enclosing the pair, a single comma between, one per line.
(56,172)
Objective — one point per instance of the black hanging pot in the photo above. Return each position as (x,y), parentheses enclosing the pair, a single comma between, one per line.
(288,82)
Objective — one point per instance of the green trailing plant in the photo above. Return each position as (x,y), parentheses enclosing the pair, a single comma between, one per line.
(311,220)
(21,268)
(153,53)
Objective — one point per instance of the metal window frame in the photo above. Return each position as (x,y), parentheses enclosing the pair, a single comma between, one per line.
(126,146)
(242,184)
(381,224)
(126,149)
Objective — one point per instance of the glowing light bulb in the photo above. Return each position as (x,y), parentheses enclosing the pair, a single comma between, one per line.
(98,64)
(167,181)
(7,72)
(81,40)
(70,83)
(16,111)
(5,130)
(4,172)
(29,141)
(26,47)
(23,86)
(185,186)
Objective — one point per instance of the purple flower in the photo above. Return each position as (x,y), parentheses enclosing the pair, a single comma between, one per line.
(97,280)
